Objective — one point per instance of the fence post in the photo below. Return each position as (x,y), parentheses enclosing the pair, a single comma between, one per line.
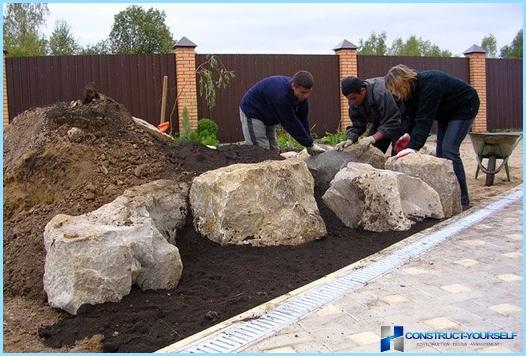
(184,51)
(6,105)
(477,79)
(348,64)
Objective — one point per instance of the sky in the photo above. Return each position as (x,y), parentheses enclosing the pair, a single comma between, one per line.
(305,28)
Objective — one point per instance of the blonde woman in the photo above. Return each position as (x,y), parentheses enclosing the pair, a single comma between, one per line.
(434,95)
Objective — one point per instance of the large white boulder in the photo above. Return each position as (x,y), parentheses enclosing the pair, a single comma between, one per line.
(97,257)
(260,204)
(380,200)
(436,172)
(325,165)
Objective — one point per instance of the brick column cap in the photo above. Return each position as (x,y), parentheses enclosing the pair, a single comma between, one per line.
(184,43)
(344,45)
(475,50)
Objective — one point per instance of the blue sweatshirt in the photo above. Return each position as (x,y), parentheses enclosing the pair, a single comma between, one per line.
(272,101)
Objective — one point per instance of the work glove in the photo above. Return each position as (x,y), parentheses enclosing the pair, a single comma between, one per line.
(342,145)
(402,143)
(404,152)
(369,140)
(315,149)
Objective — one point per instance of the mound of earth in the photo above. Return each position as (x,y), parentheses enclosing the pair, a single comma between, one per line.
(71,158)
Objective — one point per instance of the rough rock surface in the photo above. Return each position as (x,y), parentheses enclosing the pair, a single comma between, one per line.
(269,203)
(437,172)
(97,257)
(325,165)
(379,200)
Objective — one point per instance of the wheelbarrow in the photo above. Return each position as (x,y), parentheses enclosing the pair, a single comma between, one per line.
(493,146)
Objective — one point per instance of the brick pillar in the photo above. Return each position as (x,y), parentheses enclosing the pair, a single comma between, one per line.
(184,51)
(6,106)
(477,79)
(348,64)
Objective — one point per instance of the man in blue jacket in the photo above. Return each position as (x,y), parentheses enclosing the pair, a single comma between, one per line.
(278,100)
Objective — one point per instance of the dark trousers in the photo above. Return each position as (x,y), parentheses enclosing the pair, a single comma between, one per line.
(450,135)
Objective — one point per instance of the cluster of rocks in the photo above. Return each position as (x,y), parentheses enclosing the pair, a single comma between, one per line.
(97,257)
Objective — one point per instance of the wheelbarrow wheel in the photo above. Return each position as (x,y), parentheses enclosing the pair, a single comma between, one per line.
(490,176)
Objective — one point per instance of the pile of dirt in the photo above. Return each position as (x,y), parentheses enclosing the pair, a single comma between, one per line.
(72,158)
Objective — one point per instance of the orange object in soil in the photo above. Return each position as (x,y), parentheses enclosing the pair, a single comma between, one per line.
(164,126)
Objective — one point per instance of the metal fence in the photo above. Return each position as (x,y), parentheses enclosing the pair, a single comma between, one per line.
(133,80)
(504,93)
(324,102)
(136,82)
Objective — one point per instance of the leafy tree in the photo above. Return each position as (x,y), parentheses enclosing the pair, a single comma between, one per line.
(101,47)
(137,31)
(374,45)
(61,41)
(514,50)
(22,22)
(416,46)
(489,43)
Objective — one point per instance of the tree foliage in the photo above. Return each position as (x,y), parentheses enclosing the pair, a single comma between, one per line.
(22,22)
(514,49)
(212,75)
(61,41)
(136,31)
(489,43)
(418,47)
(374,45)
(101,47)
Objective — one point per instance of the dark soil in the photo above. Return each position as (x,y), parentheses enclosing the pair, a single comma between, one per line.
(47,171)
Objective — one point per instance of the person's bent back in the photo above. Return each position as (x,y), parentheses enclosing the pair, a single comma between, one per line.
(278,100)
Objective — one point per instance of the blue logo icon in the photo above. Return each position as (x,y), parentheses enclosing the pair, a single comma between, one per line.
(394,334)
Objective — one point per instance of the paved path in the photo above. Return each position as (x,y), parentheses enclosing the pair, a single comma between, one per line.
(472,282)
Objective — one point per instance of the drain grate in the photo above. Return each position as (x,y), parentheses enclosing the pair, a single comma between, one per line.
(239,335)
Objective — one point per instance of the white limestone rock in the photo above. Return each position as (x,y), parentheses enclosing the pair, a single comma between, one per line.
(97,257)
(436,172)
(260,204)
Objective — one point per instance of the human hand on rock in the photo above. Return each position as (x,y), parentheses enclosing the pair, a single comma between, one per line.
(404,152)
(315,149)
(342,145)
(369,140)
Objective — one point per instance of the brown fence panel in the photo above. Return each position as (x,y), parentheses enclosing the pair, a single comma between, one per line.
(504,93)
(377,66)
(133,80)
(324,102)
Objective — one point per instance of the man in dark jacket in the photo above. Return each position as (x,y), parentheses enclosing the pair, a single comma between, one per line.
(370,103)
(278,100)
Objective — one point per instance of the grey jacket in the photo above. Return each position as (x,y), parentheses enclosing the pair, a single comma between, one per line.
(379,109)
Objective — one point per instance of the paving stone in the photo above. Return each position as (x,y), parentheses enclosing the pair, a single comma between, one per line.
(414,270)
(311,346)
(456,288)
(395,299)
(509,277)
(513,254)
(329,310)
(441,323)
(466,262)
(516,237)
(474,242)
(505,309)
(365,338)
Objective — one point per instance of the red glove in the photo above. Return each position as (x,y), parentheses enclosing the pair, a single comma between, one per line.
(402,143)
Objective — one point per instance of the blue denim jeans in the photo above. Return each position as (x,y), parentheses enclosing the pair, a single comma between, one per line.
(450,135)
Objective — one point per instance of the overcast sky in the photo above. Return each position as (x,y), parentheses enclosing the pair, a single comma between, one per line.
(305,28)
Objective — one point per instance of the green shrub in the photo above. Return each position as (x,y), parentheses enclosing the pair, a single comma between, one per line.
(287,143)
(206,133)
(333,138)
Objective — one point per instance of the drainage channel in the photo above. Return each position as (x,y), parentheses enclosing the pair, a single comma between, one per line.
(246,331)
